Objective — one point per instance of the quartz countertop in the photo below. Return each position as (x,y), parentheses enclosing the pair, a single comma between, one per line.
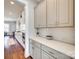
(62,47)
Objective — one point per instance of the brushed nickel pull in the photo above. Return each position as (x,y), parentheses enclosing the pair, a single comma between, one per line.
(50,52)
(53,57)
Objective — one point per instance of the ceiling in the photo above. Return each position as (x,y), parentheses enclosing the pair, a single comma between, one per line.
(12,10)
(36,1)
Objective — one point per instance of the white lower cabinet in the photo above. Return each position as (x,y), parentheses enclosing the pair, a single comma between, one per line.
(46,55)
(35,50)
(50,57)
(36,53)
(39,51)
(55,54)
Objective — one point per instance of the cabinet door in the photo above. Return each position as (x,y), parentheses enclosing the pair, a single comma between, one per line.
(40,15)
(35,50)
(51,13)
(51,57)
(37,53)
(64,12)
(54,54)
(45,55)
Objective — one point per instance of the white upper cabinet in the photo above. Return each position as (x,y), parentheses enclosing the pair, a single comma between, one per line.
(51,13)
(54,13)
(65,12)
(40,14)
(59,13)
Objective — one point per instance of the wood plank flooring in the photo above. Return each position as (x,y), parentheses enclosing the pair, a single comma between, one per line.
(12,49)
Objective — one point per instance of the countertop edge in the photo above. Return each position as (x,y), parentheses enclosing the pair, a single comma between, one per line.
(35,38)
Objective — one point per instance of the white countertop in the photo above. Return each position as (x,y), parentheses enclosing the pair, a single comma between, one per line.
(64,48)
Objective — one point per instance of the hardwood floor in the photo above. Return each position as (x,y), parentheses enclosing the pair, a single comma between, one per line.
(12,49)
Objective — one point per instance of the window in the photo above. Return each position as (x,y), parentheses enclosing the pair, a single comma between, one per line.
(6,27)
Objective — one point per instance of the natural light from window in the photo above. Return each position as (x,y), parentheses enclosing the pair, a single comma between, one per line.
(6,27)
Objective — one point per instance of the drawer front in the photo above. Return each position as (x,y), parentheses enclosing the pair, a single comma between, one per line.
(54,53)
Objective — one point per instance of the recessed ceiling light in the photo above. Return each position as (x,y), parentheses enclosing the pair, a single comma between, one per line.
(11,2)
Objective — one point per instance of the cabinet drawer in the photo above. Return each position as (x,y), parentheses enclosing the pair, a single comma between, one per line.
(54,53)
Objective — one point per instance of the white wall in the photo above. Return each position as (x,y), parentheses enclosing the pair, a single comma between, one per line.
(30,31)
(61,34)
(31,20)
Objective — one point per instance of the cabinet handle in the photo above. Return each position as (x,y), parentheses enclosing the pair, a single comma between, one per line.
(52,55)
(50,52)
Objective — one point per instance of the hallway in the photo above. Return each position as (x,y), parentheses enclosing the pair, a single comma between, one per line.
(12,49)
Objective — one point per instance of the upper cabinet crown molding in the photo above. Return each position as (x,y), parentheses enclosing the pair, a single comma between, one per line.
(54,13)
